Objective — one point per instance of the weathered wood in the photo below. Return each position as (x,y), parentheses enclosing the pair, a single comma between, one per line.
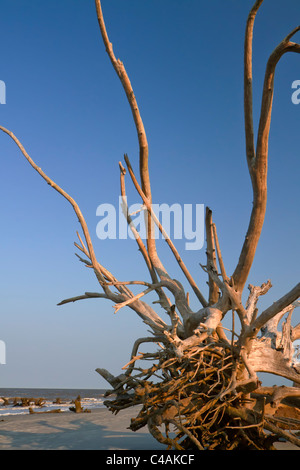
(263,358)
(33,412)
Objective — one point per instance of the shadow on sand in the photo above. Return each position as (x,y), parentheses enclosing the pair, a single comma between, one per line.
(75,433)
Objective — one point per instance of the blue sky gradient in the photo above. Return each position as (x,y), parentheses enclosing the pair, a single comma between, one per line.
(66,105)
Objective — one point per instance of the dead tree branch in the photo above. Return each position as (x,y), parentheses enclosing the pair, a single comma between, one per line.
(258,161)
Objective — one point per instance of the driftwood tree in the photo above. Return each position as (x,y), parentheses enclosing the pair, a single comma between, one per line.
(201,390)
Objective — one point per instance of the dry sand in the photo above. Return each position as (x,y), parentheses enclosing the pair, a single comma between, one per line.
(98,430)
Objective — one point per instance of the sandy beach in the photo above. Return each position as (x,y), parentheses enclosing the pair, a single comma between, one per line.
(98,430)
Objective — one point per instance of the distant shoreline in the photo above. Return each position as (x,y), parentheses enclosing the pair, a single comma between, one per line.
(98,430)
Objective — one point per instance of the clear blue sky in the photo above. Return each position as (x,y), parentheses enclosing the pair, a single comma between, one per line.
(66,105)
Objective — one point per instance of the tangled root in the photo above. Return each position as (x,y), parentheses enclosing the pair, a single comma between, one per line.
(191,403)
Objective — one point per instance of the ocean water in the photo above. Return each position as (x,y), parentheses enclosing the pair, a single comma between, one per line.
(90,398)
